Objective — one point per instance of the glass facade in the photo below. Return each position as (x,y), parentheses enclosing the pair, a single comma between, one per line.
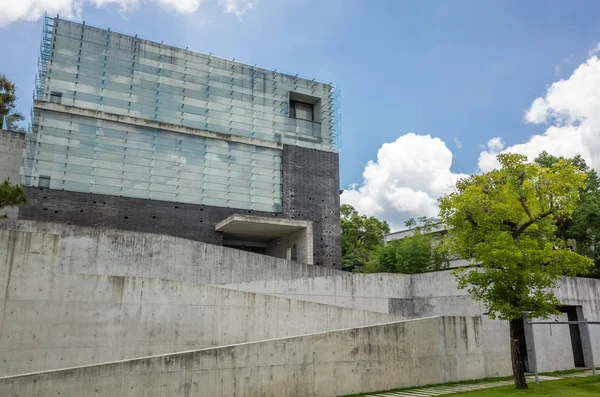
(89,155)
(96,69)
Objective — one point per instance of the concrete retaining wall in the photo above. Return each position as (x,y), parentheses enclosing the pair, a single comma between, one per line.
(55,320)
(383,293)
(435,294)
(124,253)
(11,151)
(400,354)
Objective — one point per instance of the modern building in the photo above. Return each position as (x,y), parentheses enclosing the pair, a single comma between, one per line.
(133,134)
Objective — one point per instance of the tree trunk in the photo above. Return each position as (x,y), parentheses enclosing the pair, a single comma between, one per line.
(515,355)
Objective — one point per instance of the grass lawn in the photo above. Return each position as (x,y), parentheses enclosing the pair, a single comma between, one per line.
(573,387)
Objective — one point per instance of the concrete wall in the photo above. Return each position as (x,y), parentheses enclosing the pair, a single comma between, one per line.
(337,363)
(11,150)
(383,293)
(301,240)
(413,296)
(434,294)
(310,193)
(55,320)
(122,253)
(554,351)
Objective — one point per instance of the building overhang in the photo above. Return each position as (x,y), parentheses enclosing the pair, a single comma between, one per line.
(283,238)
(258,228)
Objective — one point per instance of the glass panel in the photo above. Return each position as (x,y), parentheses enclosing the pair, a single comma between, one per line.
(135,77)
(90,155)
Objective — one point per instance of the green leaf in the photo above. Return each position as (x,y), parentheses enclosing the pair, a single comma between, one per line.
(507,221)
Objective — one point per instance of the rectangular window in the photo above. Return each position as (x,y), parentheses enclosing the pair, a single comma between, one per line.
(55,97)
(302,110)
(44,182)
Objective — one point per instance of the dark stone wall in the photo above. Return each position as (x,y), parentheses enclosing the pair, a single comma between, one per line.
(311,192)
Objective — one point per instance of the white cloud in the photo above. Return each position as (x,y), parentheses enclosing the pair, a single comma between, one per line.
(31,10)
(237,7)
(594,50)
(495,144)
(487,159)
(182,6)
(571,110)
(405,181)
(125,5)
(458,143)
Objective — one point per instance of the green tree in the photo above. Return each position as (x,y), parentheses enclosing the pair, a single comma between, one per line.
(505,220)
(417,253)
(583,226)
(361,236)
(8,99)
(11,194)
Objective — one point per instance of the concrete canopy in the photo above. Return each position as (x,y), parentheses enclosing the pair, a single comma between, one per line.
(278,235)
(260,228)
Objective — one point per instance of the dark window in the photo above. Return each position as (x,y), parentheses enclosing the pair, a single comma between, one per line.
(55,97)
(293,253)
(44,182)
(302,110)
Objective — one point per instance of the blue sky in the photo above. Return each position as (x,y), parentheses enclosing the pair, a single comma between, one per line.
(461,71)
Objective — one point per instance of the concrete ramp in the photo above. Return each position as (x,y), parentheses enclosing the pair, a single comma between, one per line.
(56,320)
(336,363)
(380,292)
(112,252)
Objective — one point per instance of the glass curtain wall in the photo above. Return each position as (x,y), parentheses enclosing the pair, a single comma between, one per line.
(102,70)
(97,69)
(83,154)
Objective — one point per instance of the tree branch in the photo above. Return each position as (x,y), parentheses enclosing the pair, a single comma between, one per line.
(523,201)
(530,222)
(471,220)
(512,225)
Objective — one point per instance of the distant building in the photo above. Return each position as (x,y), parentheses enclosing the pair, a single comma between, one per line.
(437,232)
(132,134)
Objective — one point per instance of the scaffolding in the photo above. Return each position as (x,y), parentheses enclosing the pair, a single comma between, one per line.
(44,58)
(336,119)
(105,71)
(83,57)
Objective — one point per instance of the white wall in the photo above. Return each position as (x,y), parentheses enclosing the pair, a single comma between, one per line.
(106,253)
(435,294)
(124,253)
(383,293)
(57,320)
(337,363)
